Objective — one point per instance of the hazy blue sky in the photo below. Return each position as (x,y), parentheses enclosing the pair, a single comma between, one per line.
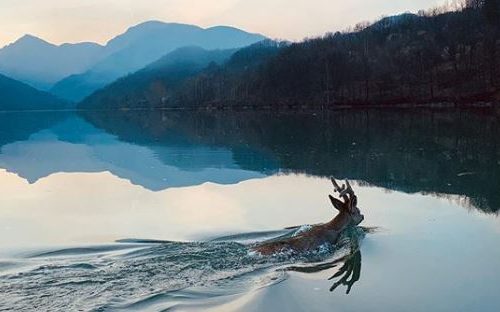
(99,20)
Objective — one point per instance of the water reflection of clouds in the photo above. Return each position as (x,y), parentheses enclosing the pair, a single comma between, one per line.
(99,207)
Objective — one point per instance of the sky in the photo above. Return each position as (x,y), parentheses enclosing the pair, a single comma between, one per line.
(60,21)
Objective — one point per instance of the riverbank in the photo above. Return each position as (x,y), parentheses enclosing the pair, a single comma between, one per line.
(442,105)
(486,105)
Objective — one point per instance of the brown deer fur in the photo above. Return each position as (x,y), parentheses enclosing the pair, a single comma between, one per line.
(349,215)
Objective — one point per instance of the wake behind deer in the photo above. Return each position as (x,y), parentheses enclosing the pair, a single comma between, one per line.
(349,216)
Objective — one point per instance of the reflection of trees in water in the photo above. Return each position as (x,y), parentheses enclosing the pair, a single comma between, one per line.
(439,152)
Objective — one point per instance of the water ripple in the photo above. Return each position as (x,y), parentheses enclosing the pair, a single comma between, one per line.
(142,274)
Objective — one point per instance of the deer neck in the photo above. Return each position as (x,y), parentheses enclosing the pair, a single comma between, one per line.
(340,222)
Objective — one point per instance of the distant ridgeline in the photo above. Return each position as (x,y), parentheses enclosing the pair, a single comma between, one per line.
(143,44)
(449,57)
(433,152)
(74,71)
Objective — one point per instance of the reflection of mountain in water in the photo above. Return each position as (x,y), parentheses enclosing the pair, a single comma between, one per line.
(436,152)
(19,126)
(71,144)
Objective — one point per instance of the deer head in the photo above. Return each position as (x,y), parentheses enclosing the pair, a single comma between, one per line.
(348,208)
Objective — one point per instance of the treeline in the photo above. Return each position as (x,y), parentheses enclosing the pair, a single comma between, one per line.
(425,58)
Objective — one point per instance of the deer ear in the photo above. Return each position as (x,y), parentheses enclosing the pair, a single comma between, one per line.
(336,203)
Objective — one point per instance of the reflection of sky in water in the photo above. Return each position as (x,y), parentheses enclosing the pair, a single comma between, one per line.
(109,208)
(429,253)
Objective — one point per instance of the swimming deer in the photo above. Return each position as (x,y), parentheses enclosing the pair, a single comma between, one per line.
(349,215)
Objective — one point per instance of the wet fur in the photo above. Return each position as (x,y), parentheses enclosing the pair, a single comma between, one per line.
(309,240)
(349,215)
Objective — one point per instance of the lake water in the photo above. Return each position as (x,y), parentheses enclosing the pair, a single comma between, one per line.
(153,211)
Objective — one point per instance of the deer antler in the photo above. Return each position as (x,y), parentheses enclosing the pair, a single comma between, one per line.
(345,192)
(348,189)
(336,186)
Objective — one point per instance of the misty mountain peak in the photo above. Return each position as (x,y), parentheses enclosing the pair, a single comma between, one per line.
(224,28)
(30,40)
(28,37)
(151,25)
(41,64)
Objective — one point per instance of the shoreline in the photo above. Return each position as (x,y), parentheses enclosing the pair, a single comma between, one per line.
(288,108)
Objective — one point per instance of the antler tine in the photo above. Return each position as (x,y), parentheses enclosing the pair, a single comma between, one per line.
(347,189)
(353,198)
(342,190)
(335,185)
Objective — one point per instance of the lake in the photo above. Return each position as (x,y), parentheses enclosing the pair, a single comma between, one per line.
(154,210)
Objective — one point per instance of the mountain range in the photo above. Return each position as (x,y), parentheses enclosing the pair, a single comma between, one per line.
(74,71)
(41,64)
(403,60)
(448,59)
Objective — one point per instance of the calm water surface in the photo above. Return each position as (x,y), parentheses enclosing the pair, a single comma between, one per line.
(152,211)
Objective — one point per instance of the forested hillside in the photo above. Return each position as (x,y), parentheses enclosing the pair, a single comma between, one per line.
(426,58)
(157,82)
(17,96)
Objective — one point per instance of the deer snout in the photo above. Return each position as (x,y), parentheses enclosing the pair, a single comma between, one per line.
(358,219)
